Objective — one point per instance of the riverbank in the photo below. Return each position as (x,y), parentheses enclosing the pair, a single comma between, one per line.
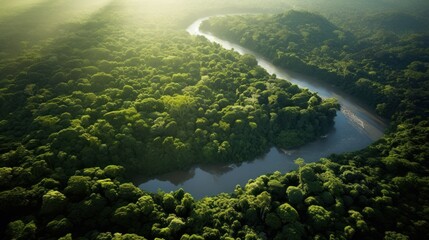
(356,127)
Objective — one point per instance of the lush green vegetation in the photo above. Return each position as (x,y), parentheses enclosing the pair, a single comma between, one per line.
(120,90)
(381,63)
(152,101)
(366,195)
(386,68)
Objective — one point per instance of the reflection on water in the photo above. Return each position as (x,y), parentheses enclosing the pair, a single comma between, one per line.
(179,177)
(217,170)
(355,128)
(210,179)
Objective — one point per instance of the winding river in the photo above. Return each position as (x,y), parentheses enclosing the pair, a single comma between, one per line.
(356,127)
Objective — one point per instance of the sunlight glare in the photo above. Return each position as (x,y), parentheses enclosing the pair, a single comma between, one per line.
(11,8)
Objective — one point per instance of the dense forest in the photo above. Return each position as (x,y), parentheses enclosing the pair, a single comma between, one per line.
(120,89)
(385,65)
(93,99)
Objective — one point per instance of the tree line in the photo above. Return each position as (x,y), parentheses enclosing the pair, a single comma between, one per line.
(379,63)
(79,113)
(95,102)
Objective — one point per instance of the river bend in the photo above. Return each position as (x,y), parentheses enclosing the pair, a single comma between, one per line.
(356,127)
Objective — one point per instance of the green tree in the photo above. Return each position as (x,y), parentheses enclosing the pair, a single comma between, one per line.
(287,213)
(53,202)
(78,187)
(21,230)
(295,195)
(319,217)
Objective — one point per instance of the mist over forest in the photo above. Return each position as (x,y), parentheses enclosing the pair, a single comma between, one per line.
(96,94)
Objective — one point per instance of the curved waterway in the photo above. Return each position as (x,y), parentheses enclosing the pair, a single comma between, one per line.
(356,127)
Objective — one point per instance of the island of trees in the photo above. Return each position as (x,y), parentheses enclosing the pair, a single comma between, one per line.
(81,112)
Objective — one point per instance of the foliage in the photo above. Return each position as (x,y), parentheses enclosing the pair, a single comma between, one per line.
(80,110)
(370,61)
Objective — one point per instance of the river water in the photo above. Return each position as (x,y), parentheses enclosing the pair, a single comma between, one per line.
(356,127)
